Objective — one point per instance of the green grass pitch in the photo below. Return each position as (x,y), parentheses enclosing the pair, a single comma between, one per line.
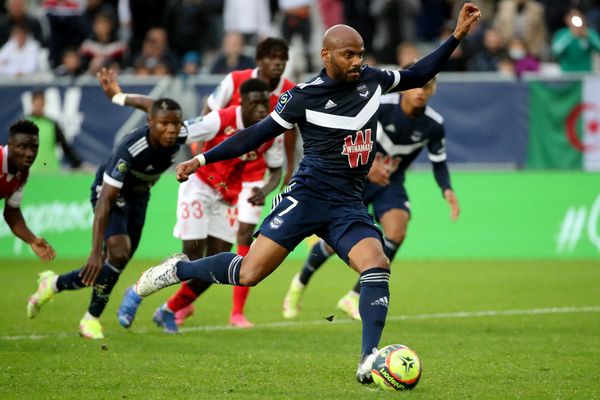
(483,330)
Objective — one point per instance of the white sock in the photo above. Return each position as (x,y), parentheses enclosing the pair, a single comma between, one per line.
(89,316)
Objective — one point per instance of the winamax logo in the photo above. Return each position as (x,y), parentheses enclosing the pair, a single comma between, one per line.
(54,217)
(579,223)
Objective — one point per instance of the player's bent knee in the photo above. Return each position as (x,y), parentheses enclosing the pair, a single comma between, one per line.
(250,277)
(119,258)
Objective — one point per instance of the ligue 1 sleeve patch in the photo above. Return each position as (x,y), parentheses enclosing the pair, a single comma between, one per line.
(120,169)
(282,102)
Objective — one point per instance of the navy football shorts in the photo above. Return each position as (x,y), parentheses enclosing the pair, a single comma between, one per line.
(385,198)
(302,211)
(127,217)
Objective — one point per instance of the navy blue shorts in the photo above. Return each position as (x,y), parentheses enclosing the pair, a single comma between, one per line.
(385,198)
(127,217)
(302,211)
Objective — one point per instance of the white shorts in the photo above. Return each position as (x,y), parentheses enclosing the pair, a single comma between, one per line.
(201,212)
(248,213)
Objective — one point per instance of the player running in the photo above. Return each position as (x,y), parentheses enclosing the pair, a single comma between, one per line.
(406,126)
(15,160)
(325,194)
(207,203)
(271,59)
(120,195)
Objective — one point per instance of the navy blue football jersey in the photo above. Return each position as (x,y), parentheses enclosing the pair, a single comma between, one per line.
(134,165)
(403,137)
(338,124)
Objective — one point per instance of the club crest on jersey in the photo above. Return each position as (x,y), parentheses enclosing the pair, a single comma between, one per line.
(282,102)
(363,90)
(358,148)
(275,223)
(416,136)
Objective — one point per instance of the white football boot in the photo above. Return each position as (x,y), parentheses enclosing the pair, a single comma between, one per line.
(161,276)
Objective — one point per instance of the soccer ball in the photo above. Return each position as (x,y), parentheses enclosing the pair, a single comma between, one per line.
(396,367)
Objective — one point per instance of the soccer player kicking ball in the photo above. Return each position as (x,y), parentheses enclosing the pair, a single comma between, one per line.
(406,126)
(120,195)
(15,160)
(325,195)
(206,205)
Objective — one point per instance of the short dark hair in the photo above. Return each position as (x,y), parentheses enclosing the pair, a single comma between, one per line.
(164,104)
(23,126)
(271,45)
(253,85)
(37,93)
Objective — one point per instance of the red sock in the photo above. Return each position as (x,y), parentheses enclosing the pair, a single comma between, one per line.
(182,298)
(240,293)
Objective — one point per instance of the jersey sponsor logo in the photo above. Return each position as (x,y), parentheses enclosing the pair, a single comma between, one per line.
(363,90)
(250,156)
(120,169)
(282,102)
(229,130)
(358,149)
(330,104)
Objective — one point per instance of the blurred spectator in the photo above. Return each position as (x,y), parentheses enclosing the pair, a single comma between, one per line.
(187,23)
(332,12)
(71,64)
(102,49)
(252,18)
(297,21)
(190,63)
(575,45)
(21,54)
(357,14)
(395,24)
(231,57)
(16,13)
(487,8)
(523,19)
(506,66)
(431,18)
(138,17)
(67,26)
(486,59)
(406,54)
(555,11)
(50,136)
(96,7)
(523,60)
(156,58)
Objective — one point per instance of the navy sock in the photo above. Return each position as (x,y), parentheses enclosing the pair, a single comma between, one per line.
(317,256)
(105,282)
(70,281)
(223,268)
(373,306)
(390,248)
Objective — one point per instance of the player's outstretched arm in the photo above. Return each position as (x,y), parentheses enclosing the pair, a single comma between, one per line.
(241,143)
(426,68)
(16,222)
(110,85)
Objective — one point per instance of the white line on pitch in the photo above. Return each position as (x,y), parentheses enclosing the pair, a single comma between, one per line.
(287,324)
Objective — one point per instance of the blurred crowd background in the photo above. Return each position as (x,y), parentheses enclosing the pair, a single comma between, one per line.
(191,37)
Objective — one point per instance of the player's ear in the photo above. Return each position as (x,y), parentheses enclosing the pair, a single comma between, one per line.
(325,54)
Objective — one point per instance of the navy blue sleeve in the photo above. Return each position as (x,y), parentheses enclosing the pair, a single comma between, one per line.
(118,166)
(427,67)
(245,140)
(442,175)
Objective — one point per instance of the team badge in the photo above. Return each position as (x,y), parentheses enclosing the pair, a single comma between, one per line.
(120,169)
(416,136)
(275,223)
(363,90)
(282,102)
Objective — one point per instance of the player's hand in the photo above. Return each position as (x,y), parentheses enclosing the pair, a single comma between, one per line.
(108,82)
(257,198)
(469,14)
(90,272)
(453,202)
(379,173)
(186,168)
(42,249)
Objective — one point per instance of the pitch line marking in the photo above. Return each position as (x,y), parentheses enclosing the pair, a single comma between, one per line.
(288,324)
